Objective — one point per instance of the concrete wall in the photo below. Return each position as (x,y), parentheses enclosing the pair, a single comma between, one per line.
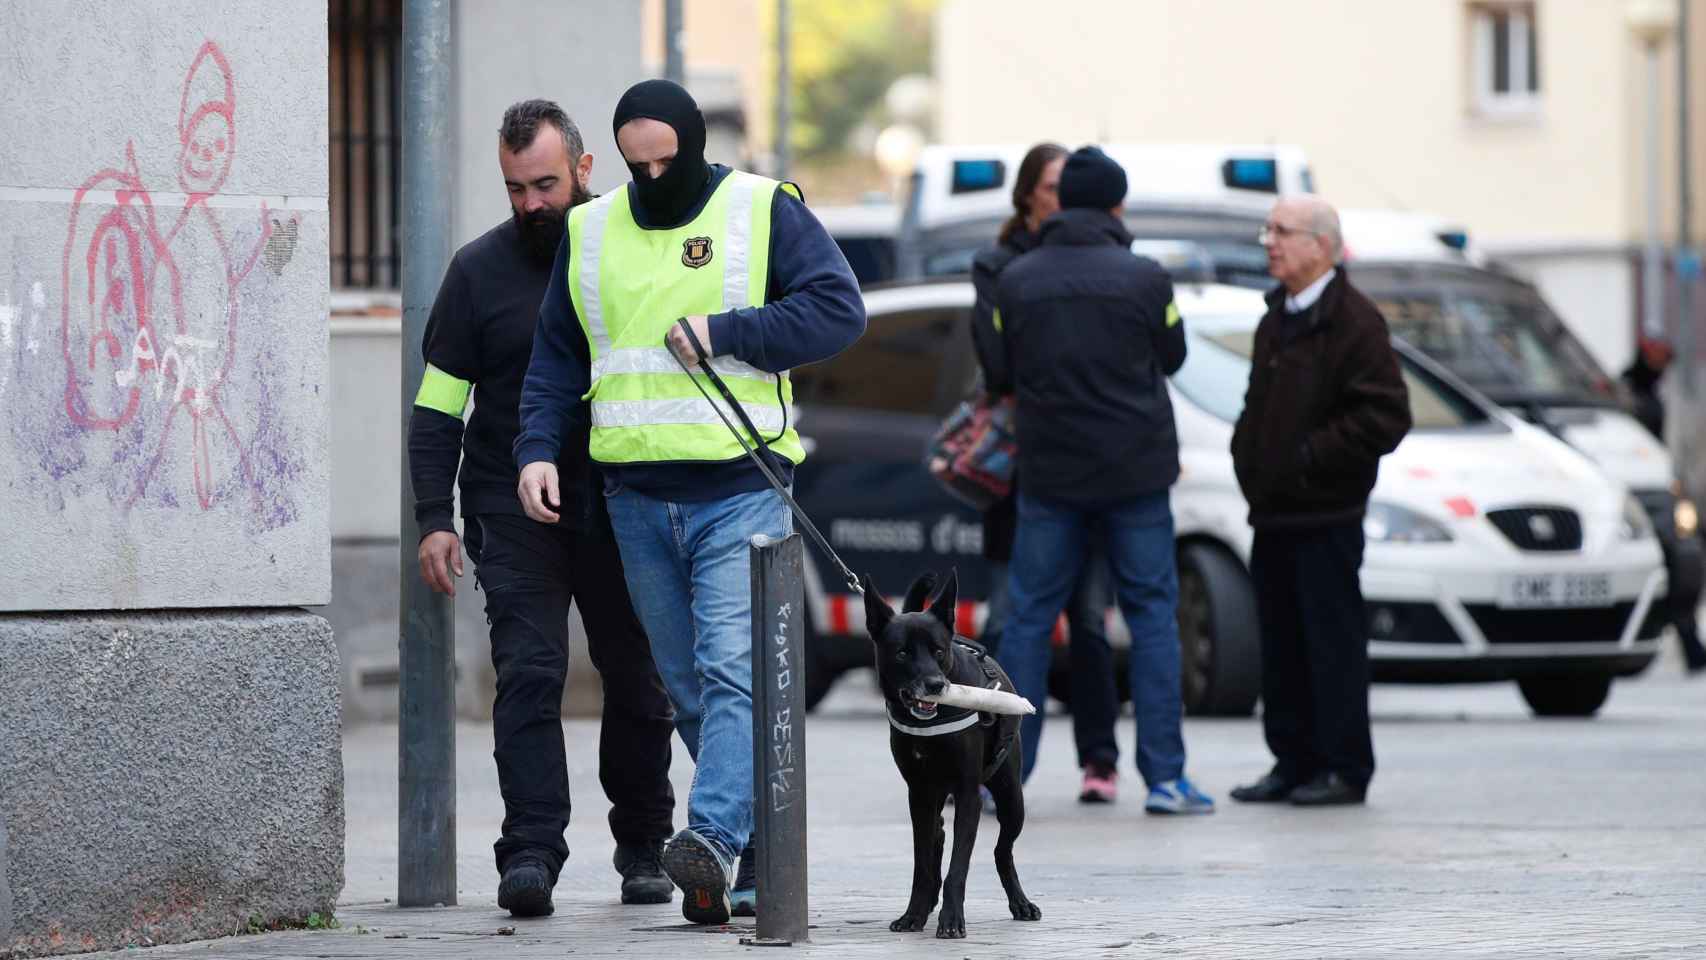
(163,292)
(164,775)
(167,776)
(581,53)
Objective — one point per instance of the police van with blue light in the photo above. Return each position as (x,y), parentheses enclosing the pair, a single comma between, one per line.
(958,197)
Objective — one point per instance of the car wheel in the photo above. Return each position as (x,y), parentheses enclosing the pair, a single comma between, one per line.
(1219,638)
(1565,696)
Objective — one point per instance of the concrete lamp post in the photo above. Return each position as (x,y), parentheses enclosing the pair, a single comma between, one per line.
(1652,22)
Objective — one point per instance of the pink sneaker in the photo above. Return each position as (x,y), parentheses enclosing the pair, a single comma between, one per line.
(1101,785)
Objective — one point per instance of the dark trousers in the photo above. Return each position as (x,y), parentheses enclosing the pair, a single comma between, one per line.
(1095,695)
(530,574)
(1314,651)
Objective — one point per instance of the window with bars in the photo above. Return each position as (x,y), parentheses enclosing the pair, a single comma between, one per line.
(366,127)
(1504,58)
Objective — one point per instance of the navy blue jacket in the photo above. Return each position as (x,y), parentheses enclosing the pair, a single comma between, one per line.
(812,311)
(1091,336)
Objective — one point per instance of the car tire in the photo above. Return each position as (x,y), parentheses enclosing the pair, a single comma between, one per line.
(1565,695)
(1220,643)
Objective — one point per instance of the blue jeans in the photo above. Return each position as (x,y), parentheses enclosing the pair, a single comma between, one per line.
(688,567)
(1095,695)
(1052,543)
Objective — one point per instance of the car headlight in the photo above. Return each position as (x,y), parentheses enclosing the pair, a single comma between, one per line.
(1687,518)
(1635,525)
(1388,523)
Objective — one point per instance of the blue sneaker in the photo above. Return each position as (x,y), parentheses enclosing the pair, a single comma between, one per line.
(743,899)
(1178,796)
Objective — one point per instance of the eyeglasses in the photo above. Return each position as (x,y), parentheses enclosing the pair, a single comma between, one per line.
(1279,231)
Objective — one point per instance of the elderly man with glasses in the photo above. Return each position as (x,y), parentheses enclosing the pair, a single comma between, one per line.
(1326,401)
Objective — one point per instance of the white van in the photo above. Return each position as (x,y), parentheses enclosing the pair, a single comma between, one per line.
(1214,195)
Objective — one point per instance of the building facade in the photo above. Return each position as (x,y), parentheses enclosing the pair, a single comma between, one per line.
(1523,121)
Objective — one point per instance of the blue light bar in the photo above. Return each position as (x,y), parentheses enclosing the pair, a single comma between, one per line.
(1251,173)
(971,176)
(1455,239)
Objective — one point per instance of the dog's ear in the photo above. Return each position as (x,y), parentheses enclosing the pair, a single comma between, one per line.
(916,595)
(877,611)
(945,601)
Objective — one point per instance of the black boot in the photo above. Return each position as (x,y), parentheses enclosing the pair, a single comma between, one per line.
(525,890)
(643,879)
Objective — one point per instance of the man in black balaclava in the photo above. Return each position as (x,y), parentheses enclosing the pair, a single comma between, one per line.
(666,197)
(764,288)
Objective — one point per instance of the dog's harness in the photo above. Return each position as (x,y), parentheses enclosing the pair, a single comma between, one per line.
(954,719)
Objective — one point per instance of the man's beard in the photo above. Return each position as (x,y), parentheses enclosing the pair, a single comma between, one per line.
(542,232)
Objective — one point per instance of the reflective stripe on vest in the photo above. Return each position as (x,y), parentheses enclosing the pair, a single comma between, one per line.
(630,284)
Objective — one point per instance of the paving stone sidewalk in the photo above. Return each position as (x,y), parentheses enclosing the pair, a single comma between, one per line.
(1488,834)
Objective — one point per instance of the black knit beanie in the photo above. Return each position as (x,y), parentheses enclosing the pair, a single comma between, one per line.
(1092,179)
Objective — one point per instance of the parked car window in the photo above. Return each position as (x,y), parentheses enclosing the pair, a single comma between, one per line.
(1216,375)
(897,366)
(1512,349)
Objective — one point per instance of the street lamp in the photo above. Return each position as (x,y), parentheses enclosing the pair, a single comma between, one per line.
(896,151)
(1652,22)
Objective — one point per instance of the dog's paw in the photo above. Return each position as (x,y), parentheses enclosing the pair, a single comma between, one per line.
(1025,910)
(950,927)
(909,923)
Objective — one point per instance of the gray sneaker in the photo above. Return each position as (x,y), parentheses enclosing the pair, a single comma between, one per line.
(696,866)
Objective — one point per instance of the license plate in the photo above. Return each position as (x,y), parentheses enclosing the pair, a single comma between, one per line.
(1555,590)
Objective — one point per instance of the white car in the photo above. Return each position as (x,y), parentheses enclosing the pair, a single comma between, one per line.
(1494,550)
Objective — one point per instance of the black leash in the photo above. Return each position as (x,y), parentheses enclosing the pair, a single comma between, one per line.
(769,473)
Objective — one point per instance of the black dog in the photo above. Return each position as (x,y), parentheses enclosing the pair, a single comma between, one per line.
(946,751)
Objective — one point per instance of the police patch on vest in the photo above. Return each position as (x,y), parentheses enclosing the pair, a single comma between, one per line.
(696,251)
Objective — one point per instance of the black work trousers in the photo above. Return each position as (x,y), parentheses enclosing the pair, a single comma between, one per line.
(530,573)
(1314,651)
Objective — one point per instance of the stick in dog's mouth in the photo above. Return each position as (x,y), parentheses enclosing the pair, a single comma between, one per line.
(983,700)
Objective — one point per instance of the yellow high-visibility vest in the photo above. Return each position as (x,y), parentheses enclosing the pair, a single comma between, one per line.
(630,285)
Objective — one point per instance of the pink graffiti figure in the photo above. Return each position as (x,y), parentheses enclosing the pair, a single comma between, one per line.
(131,276)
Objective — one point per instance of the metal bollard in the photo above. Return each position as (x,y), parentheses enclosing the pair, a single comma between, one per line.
(779,740)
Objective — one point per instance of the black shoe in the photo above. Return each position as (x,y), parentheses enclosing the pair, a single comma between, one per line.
(1272,788)
(1328,790)
(525,890)
(743,899)
(641,867)
(699,869)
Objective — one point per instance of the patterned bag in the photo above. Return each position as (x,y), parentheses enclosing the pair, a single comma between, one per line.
(972,456)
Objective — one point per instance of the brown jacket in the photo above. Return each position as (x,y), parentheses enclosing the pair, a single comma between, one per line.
(1326,401)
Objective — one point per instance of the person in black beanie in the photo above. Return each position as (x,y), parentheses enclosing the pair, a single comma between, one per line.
(1095,697)
(1090,333)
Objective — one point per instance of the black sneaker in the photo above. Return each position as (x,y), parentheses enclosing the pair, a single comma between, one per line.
(641,867)
(743,900)
(525,890)
(697,867)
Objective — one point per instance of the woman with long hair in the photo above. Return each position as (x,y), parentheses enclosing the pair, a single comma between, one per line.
(1095,697)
